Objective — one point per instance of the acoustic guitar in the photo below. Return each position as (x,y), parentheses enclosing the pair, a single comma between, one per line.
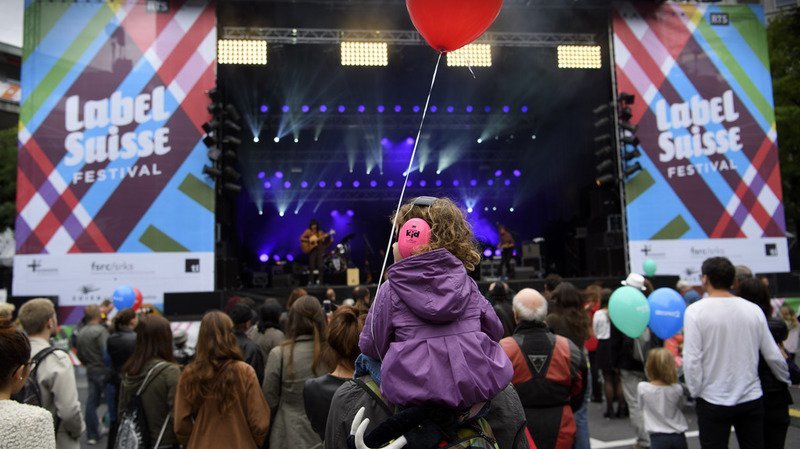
(325,239)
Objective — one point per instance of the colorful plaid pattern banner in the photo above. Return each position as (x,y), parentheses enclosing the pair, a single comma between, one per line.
(110,151)
(710,184)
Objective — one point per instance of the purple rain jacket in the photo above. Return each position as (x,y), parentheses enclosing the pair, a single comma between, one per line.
(437,335)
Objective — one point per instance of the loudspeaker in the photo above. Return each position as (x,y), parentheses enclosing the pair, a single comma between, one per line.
(190,306)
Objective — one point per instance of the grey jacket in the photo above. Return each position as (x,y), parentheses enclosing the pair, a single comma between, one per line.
(506,417)
(56,378)
(91,345)
(290,425)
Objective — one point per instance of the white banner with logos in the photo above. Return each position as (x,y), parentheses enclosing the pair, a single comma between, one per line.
(685,257)
(88,278)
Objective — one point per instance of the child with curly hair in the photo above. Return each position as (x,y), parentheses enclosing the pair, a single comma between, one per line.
(436,335)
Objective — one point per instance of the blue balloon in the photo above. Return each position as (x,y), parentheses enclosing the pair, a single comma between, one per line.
(124,297)
(667,308)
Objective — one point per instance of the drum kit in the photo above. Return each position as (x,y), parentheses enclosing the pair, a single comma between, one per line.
(338,259)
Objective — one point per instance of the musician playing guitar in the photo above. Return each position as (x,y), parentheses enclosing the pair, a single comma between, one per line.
(313,242)
(507,247)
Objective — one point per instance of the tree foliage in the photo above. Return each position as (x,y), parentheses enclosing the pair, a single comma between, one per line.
(784,57)
(8,178)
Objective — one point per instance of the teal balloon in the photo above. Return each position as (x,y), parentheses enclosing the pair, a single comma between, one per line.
(649,267)
(629,311)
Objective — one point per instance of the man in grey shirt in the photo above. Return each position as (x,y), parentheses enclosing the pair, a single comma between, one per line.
(91,343)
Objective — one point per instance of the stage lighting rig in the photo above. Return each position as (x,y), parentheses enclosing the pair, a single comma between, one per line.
(242,51)
(579,57)
(222,139)
(471,55)
(365,54)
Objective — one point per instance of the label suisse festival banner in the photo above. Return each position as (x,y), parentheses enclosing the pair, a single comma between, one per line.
(710,184)
(110,188)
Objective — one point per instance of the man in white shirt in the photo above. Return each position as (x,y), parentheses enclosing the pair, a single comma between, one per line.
(723,335)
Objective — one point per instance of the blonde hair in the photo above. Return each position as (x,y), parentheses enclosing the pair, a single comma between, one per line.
(34,314)
(787,315)
(660,366)
(449,229)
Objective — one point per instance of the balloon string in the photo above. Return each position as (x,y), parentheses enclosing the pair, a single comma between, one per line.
(400,203)
(408,171)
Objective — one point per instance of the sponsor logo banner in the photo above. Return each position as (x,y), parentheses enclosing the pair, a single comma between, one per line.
(81,279)
(704,107)
(111,156)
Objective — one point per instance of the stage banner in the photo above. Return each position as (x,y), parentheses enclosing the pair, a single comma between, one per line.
(710,184)
(110,189)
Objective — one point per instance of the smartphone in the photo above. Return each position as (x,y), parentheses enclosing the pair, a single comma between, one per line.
(326,306)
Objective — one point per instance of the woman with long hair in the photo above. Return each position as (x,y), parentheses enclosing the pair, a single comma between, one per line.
(569,319)
(299,358)
(269,332)
(153,371)
(21,425)
(343,332)
(776,398)
(219,402)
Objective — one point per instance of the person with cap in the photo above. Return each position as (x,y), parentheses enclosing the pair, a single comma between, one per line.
(689,294)
(242,316)
(182,352)
(628,356)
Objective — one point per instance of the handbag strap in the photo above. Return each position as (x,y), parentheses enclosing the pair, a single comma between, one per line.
(163,428)
(147,378)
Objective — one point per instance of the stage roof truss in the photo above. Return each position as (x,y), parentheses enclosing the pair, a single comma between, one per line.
(398,37)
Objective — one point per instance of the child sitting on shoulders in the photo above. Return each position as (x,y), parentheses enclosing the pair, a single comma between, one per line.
(661,401)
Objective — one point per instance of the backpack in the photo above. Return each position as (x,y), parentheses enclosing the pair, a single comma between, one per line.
(643,344)
(476,434)
(132,430)
(30,393)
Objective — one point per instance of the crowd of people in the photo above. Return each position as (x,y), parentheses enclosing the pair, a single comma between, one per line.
(428,362)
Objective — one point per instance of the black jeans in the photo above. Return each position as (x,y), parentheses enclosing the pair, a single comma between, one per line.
(715,423)
(315,263)
(505,262)
(668,441)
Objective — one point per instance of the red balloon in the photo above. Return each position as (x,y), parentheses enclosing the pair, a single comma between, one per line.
(448,25)
(137,302)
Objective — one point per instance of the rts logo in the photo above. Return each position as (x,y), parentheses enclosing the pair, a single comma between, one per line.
(192,265)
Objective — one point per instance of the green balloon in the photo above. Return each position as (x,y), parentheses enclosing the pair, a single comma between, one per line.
(629,311)
(649,267)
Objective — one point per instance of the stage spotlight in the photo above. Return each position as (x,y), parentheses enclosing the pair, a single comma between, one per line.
(409,141)
(279,174)
(472,55)
(242,51)
(323,108)
(304,108)
(287,185)
(438,172)
(349,212)
(490,182)
(361,108)
(321,184)
(494,208)
(517,173)
(285,108)
(334,213)
(626,98)
(533,136)
(511,209)
(212,171)
(604,180)
(486,209)
(296,140)
(423,183)
(380,109)
(263,257)
(264,108)
(255,139)
(479,140)
(450,109)
(341,108)
(633,169)
(409,183)
(373,183)
(290,257)
(469,109)
(487,252)
(630,155)
(214,153)
(606,165)
(390,183)
(603,152)
(506,109)
(276,139)
(397,108)
(523,109)
(473,182)
(415,108)
(230,187)
(498,173)
(261,175)
(487,109)
(267,185)
(434,108)
(276,257)
(630,140)
(338,184)
(469,210)
(356,184)
(456,183)
(507,182)
(304,185)
(579,57)
(366,54)
(438,183)
(261,212)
